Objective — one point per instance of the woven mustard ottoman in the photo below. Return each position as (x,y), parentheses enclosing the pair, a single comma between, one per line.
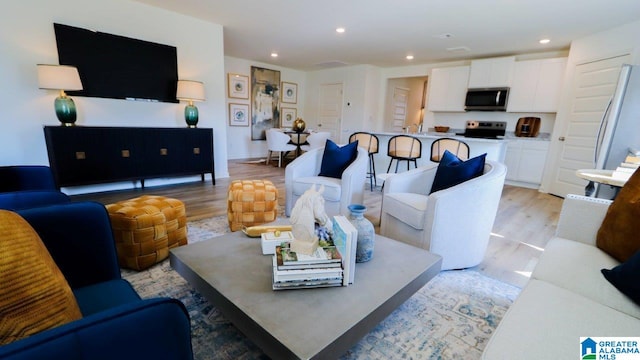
(145,228)
(251,202)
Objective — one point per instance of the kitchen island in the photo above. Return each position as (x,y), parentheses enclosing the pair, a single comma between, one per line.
(494,148)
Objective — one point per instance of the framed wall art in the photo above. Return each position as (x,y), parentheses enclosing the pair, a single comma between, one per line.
(288,116)
(289,92)
(265,99)
(238,86)
(238,114)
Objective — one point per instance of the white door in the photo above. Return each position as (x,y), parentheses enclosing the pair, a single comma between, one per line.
(330,110)
(400,98)
(594,84)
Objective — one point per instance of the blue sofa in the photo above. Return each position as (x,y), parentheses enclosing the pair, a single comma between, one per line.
(27,186)
(116,323)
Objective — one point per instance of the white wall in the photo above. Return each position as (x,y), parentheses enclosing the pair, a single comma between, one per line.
(360,102)
(613,42)
(240,145)
(27,38)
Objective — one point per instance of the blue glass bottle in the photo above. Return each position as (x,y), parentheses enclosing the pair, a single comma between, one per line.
(366,233)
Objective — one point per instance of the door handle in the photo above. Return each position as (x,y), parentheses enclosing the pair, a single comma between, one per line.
(561,138)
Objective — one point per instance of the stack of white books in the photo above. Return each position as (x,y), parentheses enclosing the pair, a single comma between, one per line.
(329,266)
(323,268)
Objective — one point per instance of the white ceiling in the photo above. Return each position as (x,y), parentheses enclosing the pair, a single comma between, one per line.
(383,32)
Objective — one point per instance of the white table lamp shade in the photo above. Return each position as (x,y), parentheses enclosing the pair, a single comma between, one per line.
(58,77)
(190,90)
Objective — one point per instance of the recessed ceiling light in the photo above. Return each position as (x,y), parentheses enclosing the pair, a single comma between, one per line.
(409,57)
(545,41)
(340,30)
(274,54)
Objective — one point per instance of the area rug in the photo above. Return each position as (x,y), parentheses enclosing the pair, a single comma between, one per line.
(452,317)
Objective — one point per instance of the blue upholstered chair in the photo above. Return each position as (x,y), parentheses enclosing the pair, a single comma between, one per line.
(27,186)
(115,323)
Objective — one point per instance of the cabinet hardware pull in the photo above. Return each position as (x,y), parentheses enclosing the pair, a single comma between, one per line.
(80,155)
(561,138)
(125,153)
(196,151)
(163,152)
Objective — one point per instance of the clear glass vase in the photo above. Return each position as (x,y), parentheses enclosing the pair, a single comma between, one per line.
(366,233)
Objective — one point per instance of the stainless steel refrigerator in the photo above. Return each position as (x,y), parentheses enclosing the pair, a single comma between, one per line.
(619,131)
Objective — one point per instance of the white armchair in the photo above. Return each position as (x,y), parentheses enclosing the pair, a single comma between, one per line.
(338,194)
(454,223)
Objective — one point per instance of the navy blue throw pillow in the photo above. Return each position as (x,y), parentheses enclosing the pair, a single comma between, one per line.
(625,277)
(453,171)
(336,159)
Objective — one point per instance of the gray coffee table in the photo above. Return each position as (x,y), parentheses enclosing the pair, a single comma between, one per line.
(231,272)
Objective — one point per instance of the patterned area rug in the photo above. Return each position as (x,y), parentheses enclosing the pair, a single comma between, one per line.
(452,317)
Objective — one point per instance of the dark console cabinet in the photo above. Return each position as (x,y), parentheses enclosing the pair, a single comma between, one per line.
(82,155)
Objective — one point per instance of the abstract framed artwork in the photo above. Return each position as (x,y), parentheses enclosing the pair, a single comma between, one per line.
(238,86)
(289,92)
(288,116)
(265,98)
(238,114)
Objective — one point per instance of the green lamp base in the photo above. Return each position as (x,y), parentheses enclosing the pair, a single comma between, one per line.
(191,115)
(65,110)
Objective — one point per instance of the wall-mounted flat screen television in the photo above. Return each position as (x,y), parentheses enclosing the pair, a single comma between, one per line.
(118,67)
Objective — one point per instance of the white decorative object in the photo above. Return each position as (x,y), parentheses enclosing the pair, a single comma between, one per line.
(269,240)
(308,210)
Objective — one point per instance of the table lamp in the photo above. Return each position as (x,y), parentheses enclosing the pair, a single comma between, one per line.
(190,91)
(61,77)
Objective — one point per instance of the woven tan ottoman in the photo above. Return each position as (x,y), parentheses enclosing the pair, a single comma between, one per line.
(251,202)
(145,228)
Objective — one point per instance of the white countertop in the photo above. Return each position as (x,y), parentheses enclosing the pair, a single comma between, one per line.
(510,135)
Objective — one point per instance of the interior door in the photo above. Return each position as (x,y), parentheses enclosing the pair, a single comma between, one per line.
(330,109)
(400,99)
(594,84)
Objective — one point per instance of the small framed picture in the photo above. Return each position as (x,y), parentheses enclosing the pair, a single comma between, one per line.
(238,86)
(238,114)
(289,92)
(288,115)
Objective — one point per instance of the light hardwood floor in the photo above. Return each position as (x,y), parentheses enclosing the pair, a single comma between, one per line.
(526,218)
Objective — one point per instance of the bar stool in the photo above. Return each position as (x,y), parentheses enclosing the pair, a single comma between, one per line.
(456,147)
(368,142)
(404,148)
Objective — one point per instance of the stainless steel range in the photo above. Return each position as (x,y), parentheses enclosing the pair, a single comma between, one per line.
(484,129)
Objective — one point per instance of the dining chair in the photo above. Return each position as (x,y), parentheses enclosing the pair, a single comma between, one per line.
(370,143)
(456,147)
(316,140)
(278,141)
(404,148)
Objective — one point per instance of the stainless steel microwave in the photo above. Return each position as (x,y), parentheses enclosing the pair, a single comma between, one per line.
(487,99)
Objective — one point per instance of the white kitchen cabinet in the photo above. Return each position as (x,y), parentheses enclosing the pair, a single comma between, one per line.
(525,160)
(448,88)
(491,73)
(536,85)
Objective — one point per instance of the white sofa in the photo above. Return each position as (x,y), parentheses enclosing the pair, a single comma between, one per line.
(567,296)
(454,223)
